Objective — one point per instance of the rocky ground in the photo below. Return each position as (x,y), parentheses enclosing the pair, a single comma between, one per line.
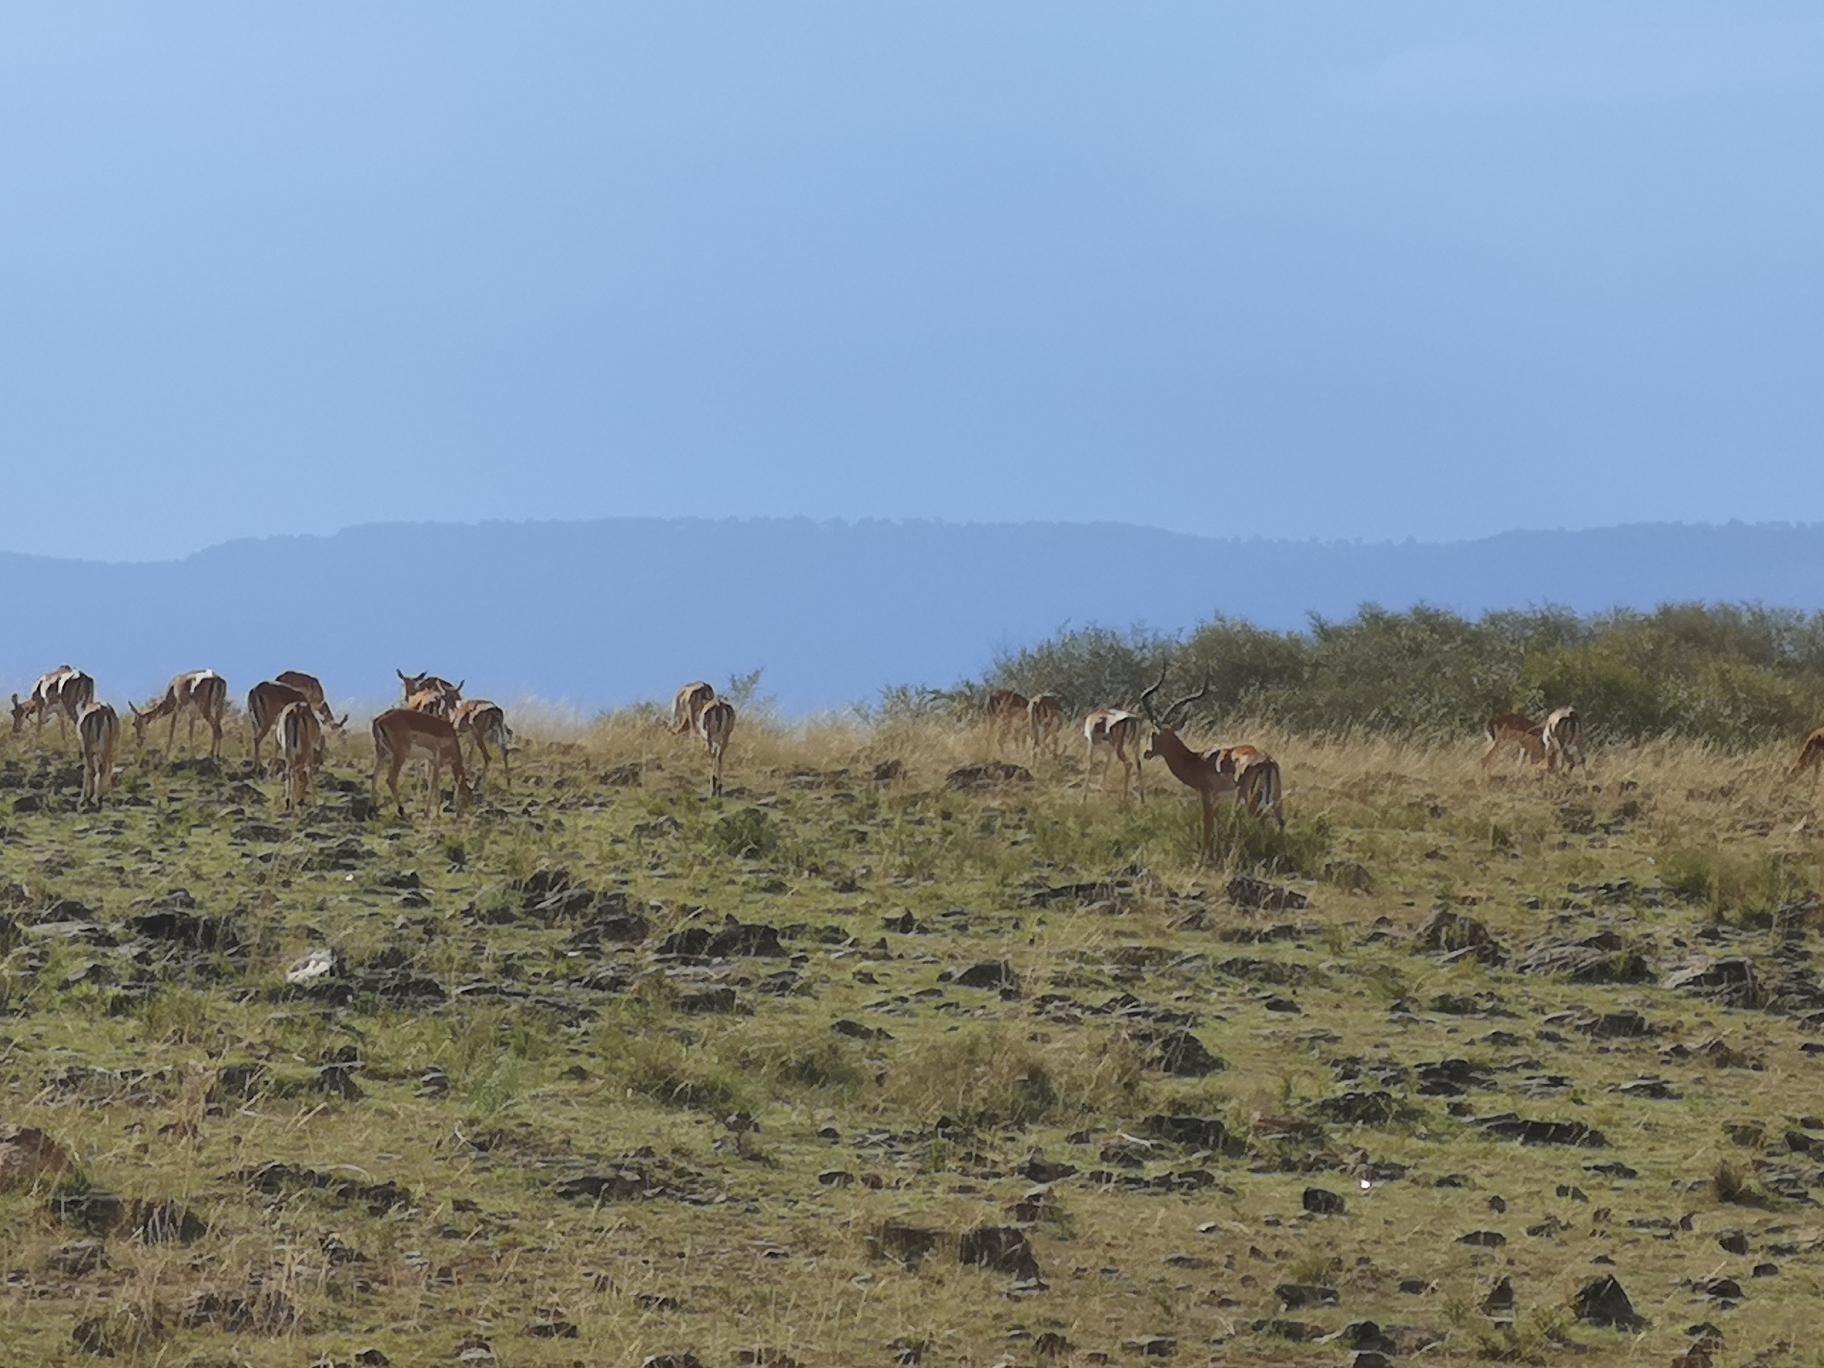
(894,1055)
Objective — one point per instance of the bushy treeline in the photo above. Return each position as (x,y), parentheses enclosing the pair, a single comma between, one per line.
(1735,675)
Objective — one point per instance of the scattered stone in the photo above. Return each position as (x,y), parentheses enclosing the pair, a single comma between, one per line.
(1196,1132)
(1483,1239)
(1603,1301)
(74,1260)
(1004,1249)
(1601,958)
(1038,1170)
(854,1030)
(27,1154)
(993,774)
(1730,982)
(1499,1303)
(1455,936)
(1628,1025)
(103,1213)
(317,964)
(1152,1346)
(1184,1056)
(908,1244)
(1322,1202)
(988,974)
(1257,895)
(1544,1132)
(1359,1108)
(1733,1241)
(1297,1296)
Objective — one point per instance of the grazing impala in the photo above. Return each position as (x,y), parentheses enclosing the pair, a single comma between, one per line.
(434,702)
(98,731)
(203,693)
(301,741)
(1219,775)
(64,691)
(486,722)
(715,724)
(312,689)
(1514,732)
(1811,756)
(1045,721)
(402,735)
(688,706)
(265,701)
(1564,740)
(1007,712)
(1116,733)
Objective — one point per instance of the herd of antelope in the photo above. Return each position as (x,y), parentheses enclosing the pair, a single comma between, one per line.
(435,720)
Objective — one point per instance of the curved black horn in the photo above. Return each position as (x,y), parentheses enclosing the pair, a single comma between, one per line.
(1189,699)
(1146,698)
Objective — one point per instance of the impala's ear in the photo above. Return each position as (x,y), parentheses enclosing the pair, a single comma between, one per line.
(459,684)
(400,673)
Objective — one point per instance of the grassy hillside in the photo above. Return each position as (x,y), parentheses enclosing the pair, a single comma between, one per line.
(857,1066)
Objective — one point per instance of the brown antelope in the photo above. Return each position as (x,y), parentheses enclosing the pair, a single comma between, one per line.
(203,693)
(301,743)
(485,722)
(1257,783)
(688,706)
(312,689)
(414,685)
(1514,732)
(1219,775)
(265,701)
(1007,711)
(1115,732)
(98,732)
(402,735)
(715,724)
(1564,740)
(65,691)
(1045,721)
(433,702)
(1811,756)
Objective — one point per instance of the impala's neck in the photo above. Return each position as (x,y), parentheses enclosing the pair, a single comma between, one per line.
(1186,765)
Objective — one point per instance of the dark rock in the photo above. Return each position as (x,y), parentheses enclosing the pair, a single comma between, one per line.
(1196,1132)
(103,1213)
(1451,1078)
(988,974)
(854,1030)
(1323,1202)
(671,1361)
(1483,1239)
(906,1243)
(1733,1241)
(1296,1296)
(753,940)
(1037,1170)
(1603,1301)
(1628,1025)
(1184,1056)
(1152,1346)
(1724,1289)
(1368,1337)
(709,1001)
(1544,1132)
(28,1154)
(1002,1248)
(1359,1108)
(74,1260)
(610,1185)
(993,774)
(1731,982)
(904,923)
(1602,958)
(1452,934)
(691,940)
(1257,895)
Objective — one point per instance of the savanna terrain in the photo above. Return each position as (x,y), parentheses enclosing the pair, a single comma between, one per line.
(882,1060)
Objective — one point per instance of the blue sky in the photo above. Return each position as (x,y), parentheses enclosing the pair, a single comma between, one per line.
(1377,271)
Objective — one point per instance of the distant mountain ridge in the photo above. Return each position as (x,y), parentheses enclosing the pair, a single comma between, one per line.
(605,612)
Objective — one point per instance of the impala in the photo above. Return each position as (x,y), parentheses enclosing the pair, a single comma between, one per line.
(312,689)
(203,693)
(1811,756)
(98,731)
(1045,720)
(486,722)
(402,735)
(301,741)
(265,701)
(715,724)
(1115,732)
(1514,732)
(1006,711)
(415,685)
(64,691)
(1564,740)
(433,702)
(688,706)
(1218,775)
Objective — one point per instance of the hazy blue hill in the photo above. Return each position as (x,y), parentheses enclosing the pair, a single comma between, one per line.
(613,610)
